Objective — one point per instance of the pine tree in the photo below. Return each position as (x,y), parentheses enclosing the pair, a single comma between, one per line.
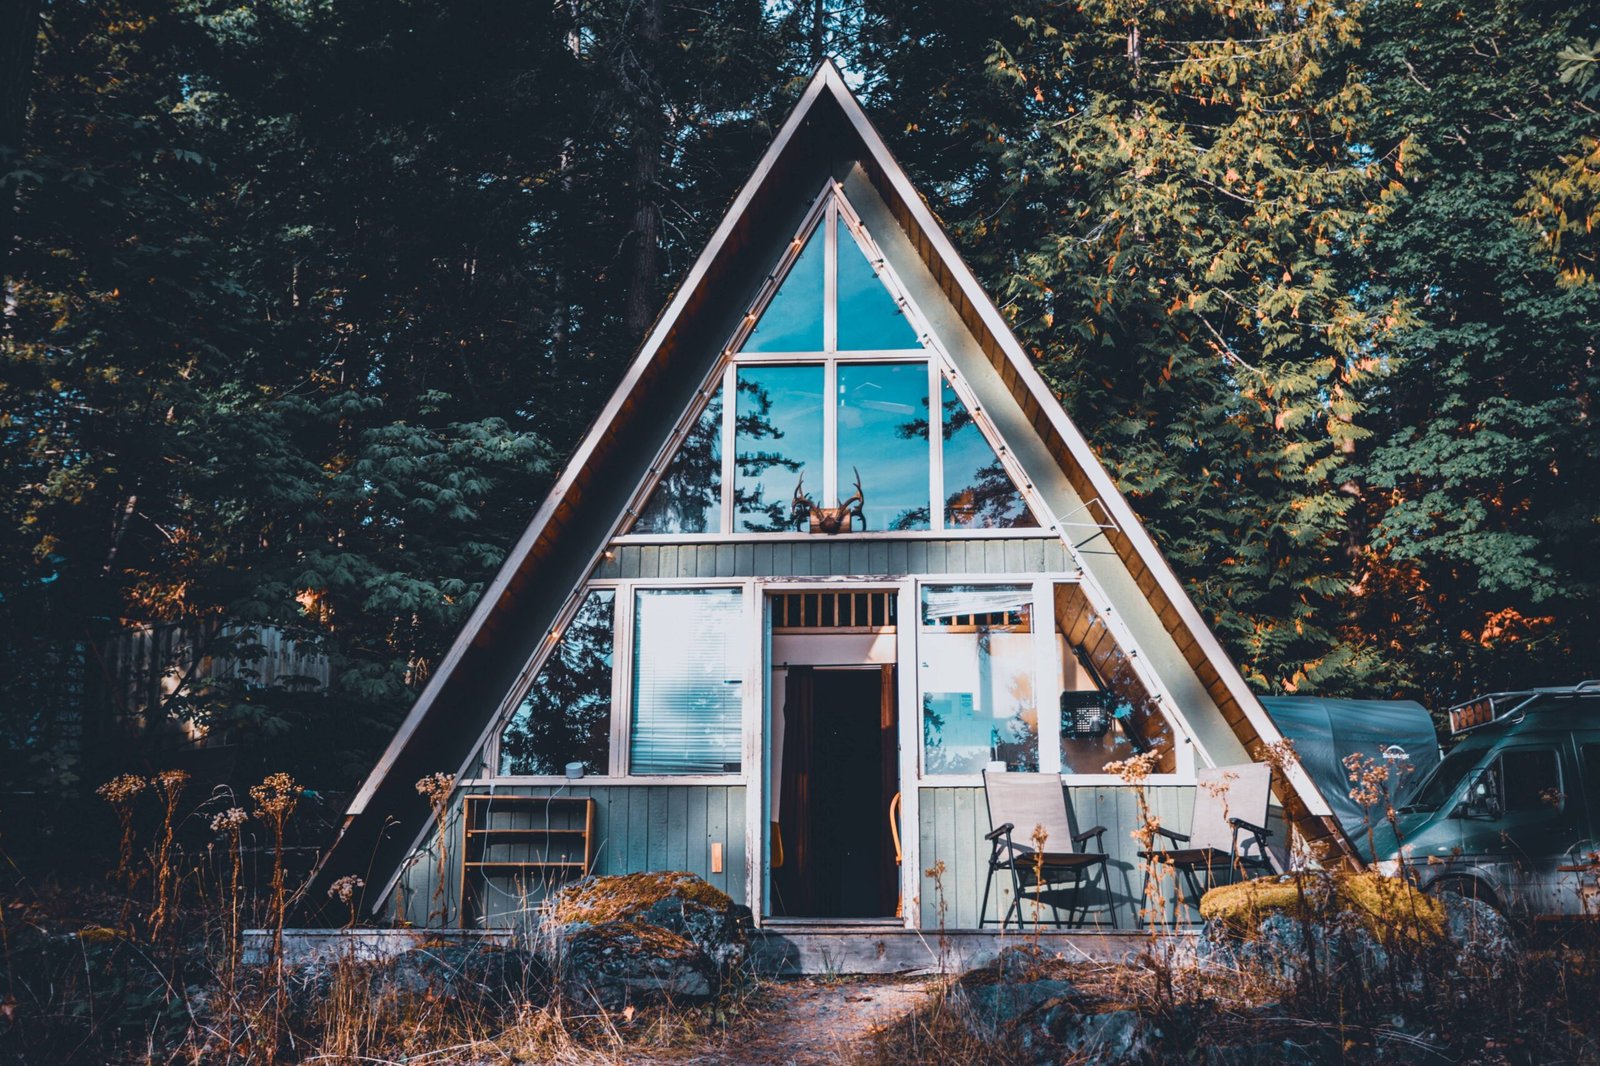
(1480,571)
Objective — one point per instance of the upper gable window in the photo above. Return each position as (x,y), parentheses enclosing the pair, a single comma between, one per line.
(830,401)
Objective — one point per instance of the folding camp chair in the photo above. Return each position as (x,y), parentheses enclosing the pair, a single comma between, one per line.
(1227,831)
(1019,805)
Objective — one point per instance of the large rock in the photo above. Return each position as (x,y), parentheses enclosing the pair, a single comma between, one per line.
(1364,933)
(1024,1000)
(645,938)
(474,972)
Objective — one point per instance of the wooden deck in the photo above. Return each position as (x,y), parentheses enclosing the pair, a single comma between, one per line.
(785,949)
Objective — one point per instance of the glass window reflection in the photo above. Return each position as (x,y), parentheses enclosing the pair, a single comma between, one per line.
(975,671)
(688,498)
(566,715)
(869,318)
(777,446)
(792,321)
(978,494)
(883,440)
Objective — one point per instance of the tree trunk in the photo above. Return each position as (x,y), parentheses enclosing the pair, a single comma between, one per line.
(19,36)
(648,134)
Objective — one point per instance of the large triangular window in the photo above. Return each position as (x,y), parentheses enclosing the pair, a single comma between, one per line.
(832,412)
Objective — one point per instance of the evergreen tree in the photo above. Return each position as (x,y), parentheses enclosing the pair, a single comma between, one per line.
(1480,565)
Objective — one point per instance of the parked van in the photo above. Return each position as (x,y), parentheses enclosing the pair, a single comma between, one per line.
(1511,815)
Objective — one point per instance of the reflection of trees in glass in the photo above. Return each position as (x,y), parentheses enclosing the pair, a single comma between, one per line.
(753,423)
(988,715)
(978,492)
(688,498)
(883,435)
(566,715)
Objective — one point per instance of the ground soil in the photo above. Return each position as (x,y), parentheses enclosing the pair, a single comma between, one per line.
(817,1020)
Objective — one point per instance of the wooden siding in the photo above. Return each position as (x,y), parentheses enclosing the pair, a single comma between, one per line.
(638,828)
(953,822)
(825,557)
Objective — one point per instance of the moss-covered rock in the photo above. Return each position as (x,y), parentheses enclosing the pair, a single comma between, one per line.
(1364,933)
(646,938)
(1382,904)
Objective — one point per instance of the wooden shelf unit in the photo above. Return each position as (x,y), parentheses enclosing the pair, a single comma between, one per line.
(535,841)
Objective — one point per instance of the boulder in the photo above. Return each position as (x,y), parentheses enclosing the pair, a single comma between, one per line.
(1358,932)
(645,938)
(475,972)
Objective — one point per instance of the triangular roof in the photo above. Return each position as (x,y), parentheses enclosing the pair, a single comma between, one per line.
(386,816)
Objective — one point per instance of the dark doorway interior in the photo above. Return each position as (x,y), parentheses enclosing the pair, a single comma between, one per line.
(841,771)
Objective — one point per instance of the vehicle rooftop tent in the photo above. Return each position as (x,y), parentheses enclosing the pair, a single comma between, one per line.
(1325,732)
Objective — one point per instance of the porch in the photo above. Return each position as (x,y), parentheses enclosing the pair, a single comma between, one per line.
(702,829)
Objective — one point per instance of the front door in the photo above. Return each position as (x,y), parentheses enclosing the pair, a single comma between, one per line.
(833,759)
(834,856)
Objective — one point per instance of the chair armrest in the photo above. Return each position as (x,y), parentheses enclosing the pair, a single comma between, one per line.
(1260,831)
(1089,834)
(998,832)
(1176,838)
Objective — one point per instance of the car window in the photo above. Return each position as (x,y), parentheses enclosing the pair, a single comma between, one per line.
(1530,781)
(1591,781)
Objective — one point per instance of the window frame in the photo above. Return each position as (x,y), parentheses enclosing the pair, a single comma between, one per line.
(757,680)
(1046,670)
(831,210)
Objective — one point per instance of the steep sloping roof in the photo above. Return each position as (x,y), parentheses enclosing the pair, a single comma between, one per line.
(386,814)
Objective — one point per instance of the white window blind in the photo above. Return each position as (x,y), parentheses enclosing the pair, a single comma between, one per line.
(956,600)
(688,673)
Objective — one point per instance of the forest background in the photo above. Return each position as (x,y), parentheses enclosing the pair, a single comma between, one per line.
(305,303)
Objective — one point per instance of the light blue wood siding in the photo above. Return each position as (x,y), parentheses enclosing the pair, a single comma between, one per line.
(824,557)
(953,822)
(638,828)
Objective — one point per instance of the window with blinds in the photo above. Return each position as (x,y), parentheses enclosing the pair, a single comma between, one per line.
(688,673)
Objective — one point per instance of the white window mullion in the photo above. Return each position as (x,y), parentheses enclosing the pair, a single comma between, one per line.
(1047,672)
(830,434)
(621,678)
(730,470)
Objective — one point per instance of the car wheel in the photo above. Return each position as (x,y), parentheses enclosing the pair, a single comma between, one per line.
(1468,888)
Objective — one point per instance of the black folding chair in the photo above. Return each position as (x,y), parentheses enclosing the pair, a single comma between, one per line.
(1227,833)
(1058,866)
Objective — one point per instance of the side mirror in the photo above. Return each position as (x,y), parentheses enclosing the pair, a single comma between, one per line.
(1480,802)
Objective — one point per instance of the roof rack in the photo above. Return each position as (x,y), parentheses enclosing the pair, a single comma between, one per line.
(1495,706)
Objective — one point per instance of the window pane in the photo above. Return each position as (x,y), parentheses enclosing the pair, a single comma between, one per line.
(792,321)
(976,677)
(1531,780)
(566,715)
(688,673)
(688,498)
(978,494)
(883,440)
(869,318)
(777,446)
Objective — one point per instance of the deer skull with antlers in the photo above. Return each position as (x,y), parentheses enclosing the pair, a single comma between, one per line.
(829,520)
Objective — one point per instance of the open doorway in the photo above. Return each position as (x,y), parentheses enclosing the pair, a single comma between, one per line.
(834,852)
(833,846)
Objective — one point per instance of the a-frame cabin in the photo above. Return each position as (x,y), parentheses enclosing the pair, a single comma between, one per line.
(831,550)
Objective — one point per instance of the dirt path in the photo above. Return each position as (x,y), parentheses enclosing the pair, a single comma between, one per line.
(818,1020)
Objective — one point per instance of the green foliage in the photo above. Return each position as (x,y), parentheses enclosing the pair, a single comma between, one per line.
(309,300)
(1173,203)
(1477,570)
